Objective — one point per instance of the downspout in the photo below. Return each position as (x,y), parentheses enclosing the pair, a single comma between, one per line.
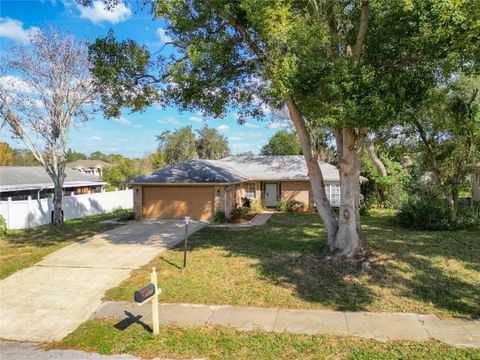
(38,192)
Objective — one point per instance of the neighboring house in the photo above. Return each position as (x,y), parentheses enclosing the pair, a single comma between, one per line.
(475,178)
(198,188)
(20,182)
(90,167)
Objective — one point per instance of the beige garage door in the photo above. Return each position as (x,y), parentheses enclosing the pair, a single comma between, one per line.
(176,202)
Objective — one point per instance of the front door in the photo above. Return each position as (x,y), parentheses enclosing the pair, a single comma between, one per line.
(270,198)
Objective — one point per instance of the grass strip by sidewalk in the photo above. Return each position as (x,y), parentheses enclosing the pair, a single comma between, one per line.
(223,343)
(279,265)
(23,248)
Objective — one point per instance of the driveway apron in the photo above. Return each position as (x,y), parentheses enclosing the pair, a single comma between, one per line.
(49,300)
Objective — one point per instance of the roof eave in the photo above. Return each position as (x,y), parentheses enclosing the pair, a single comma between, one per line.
(181,184)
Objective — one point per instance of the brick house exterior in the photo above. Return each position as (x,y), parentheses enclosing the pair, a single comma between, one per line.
(199,188)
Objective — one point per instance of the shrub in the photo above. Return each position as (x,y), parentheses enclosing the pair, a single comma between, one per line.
(282,205)
(423,214)
(295,205)
(130,215)
(3,225)
(239,212)
(255,206)
(246,203)
(468,215)
(290,205)
(219,217)
(384,192)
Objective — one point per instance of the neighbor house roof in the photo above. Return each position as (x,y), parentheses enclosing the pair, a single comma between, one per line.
(236,169)
(16,178)
(87,164)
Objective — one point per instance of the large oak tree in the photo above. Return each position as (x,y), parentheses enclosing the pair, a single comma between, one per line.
(347,66)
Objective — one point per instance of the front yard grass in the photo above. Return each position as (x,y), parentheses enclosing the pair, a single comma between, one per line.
(22,248)
(224,343)
(280,265)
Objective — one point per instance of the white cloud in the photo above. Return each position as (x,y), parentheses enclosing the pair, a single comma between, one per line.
(162,34)
(98,12)
(242,146)
(126,122)
(197,119)
(277,125)
(96,138)
(14,84)
(13,29)
(223,128)
(234,138)
(249,134)
(170,120)
(250,125)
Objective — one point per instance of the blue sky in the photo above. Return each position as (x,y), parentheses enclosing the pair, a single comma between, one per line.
(133,134)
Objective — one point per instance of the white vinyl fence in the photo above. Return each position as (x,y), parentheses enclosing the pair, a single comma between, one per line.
(22,214)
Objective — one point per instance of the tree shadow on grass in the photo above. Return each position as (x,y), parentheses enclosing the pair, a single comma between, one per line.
(71,230)
(439,268)
(288,252)
(404,263)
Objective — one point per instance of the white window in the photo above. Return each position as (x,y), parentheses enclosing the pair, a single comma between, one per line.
(250,190)
(333,194)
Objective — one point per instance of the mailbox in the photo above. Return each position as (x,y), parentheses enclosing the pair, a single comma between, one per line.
(144,293)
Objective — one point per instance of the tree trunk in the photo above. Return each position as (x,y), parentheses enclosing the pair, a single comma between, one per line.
(348,240)
(452,200)
(58,179)
(324,208)
(376,160)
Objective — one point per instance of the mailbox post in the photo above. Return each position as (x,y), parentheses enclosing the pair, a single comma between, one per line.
(150,293)
(185,244)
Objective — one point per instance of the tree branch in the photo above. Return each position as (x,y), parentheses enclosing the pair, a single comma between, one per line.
(376,160)
(333,27)
(362,31)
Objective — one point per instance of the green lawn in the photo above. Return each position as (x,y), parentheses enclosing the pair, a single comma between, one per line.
(224,343)
(22,248)
(280,265)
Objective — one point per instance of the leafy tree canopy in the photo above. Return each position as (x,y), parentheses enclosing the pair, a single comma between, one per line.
(211,144)
(178,145)
(122,170)
(184,144)
(284,142)
(243,53)
(74,155)
(6,154)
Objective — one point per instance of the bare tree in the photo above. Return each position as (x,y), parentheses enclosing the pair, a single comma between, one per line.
(48,90)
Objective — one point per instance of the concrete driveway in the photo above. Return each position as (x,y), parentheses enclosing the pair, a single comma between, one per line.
(49,300)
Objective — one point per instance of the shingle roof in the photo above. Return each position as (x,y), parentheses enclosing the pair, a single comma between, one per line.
(14,178)
(87,164)
(235,169)
(191,172)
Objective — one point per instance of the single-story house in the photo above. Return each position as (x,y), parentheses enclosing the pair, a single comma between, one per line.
(90,167)
(20,182)
(199,188)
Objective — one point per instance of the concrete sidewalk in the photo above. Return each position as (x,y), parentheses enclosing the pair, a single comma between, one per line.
(258,220)
(49,300)
(379,326)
